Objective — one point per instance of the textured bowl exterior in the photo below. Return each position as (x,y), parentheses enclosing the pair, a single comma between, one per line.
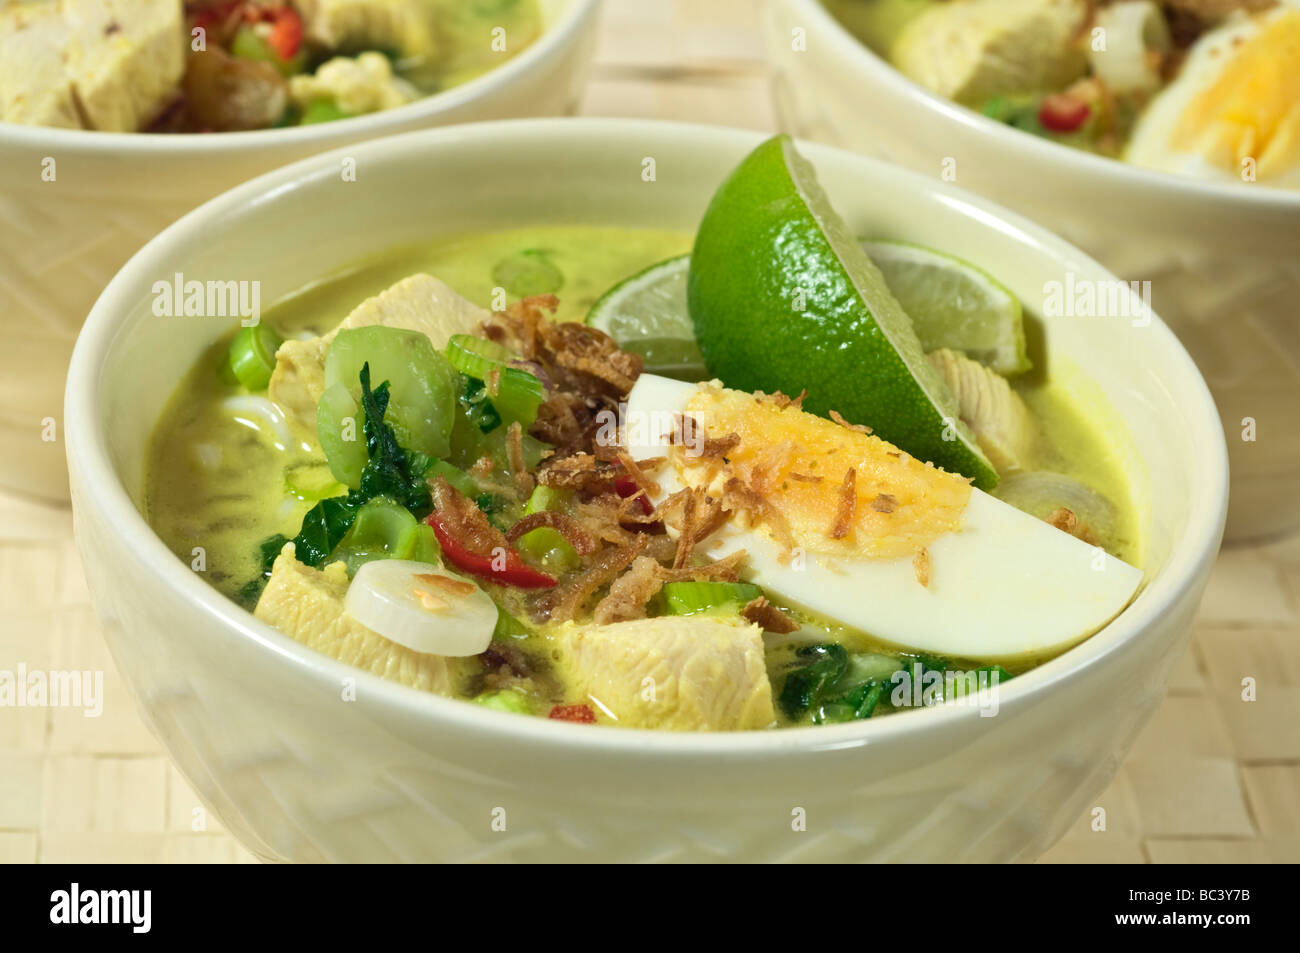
(1223,260)
(305,759)
(61,240)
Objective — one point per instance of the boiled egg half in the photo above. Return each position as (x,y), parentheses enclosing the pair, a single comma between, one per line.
(1233,111)
(844,524)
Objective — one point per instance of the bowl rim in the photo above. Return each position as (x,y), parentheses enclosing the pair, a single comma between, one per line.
(1079,164)
(576,16)
(97,486)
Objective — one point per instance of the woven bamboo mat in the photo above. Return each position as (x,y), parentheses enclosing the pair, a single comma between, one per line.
(1212,778)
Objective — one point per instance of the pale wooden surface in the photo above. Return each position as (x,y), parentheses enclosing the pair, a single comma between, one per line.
(1212,778)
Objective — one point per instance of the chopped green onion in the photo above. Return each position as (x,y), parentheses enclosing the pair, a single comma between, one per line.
(544,545)
(546,498)
(322,110)
(531,272)
(508,627)
(476,356)
(252,355)
(519,393)
(419,543)
(478,407)
(690,598)
(380,528)
(386,530)
(460,481)
(507,699)
(248,44)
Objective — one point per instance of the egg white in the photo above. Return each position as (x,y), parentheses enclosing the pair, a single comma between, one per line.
(1150,143)
(1005,585)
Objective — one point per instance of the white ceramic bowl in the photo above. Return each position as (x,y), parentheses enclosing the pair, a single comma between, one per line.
(61,241)
(1223,260)
(257,722)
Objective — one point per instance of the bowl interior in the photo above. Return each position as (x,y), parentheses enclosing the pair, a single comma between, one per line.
(299,224)
(1085,169)
(561,20)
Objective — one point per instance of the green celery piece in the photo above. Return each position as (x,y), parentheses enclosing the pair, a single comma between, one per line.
(507,699)
(689,598)
(421,383)
(545,545)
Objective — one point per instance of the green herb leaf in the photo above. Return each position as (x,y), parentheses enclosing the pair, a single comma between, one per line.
(389,472)
(804,686)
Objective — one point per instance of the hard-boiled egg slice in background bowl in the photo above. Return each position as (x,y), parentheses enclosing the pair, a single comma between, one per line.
(1233,109)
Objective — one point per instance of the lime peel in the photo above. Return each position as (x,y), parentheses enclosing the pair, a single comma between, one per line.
(783,297)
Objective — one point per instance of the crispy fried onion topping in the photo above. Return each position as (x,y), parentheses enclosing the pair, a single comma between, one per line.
(466,521)
(768,616)
(847,506)
(921,566)
(856,428)
(582,542)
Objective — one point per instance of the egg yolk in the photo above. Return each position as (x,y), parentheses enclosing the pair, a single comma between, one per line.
(798,463)
(1252,109)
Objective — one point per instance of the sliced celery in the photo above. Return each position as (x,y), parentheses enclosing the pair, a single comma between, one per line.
(519,393)
(339,430)
(689,598)
(382,530)
(313,482)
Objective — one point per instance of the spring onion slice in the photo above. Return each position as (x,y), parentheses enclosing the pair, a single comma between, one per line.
(252,355)
(422,607)
(518,393)
(688,598)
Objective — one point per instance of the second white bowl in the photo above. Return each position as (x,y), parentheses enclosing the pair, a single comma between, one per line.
(62,240)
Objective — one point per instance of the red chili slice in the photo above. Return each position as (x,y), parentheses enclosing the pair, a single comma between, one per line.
(285,38)
(1062,113)
(579,713)
(625,486)
(514,571)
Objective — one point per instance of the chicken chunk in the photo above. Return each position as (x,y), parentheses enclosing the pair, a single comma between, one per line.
(96,64)
(34,86)
(405,26)
(679,673)
(308,605)
(986,403)
(976,49)
(418,303)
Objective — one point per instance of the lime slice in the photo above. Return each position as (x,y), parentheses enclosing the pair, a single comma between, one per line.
(954,305)
(647,314)
(784,298)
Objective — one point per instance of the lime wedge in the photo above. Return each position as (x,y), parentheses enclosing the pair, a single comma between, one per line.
(783,297)
(647,315)
(954,305)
